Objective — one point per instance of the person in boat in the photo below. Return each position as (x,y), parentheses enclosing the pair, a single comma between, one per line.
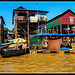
(24,45)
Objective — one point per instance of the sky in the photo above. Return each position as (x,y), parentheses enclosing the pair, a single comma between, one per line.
(54,8)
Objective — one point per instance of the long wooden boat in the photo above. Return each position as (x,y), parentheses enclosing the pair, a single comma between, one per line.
(9,53)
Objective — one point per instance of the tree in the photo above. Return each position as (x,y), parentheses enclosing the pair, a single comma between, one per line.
(7,29)
(13,30)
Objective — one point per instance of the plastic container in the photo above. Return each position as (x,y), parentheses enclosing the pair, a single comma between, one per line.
(73,47)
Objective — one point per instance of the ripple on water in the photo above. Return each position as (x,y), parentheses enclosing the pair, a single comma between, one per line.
(38,63)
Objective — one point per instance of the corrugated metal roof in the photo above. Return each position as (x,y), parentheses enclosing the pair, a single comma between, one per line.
(21,8)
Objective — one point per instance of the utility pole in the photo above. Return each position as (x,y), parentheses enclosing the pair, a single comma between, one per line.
(28,28)
(38,19)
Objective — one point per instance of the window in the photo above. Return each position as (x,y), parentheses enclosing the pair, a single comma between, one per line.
(54,21)
(71,20)
(51,23)
(58,19)
(22,14)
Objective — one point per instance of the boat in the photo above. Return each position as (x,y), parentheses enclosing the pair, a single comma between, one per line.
(2,46)
(72,52)
(14,52)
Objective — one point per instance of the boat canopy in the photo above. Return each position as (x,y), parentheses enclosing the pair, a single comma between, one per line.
(53,34)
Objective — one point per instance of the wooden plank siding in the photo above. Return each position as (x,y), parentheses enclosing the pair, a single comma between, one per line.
(64,19)
(55,22)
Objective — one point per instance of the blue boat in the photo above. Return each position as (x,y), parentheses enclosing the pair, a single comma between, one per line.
(5,45)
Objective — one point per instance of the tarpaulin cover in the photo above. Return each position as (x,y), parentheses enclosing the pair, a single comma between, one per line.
(47,34)
(6,44)
(54,44)
(65,48)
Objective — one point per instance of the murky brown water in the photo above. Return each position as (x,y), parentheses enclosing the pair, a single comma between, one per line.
(38,63)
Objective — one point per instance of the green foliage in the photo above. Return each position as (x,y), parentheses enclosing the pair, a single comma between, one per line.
(13,30)
(45,19)
(41,18)
(8,29)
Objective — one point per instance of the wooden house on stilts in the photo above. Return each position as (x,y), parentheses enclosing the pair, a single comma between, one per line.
(2,23)
(26,21)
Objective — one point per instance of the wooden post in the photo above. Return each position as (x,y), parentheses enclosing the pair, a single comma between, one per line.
(41,29)
(38,27)
(68,33)
(15,25)
(57,29)
(53,29)
(15,30)
(28,31)
(50,30)
(68,27)
(60,29)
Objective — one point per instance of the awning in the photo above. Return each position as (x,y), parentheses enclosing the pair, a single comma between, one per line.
(47,34)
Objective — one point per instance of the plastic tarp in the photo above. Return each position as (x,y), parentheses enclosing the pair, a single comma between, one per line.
(47,34)
(43,34)
(65,48)
(6,44)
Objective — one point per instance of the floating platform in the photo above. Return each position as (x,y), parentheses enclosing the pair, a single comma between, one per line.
(53,51)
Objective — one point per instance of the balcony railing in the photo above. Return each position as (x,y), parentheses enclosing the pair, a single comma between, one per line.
(22,18)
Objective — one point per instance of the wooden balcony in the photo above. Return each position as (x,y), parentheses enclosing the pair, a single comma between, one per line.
(22,21)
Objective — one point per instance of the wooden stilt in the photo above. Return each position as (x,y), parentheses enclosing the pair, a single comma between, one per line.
(15,30)
(68,27)
(60,28)
(16,25)
(28,31)
(57,29)
(53,29)
(50,30)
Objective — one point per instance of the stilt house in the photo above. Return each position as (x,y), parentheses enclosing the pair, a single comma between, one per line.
(1,29)
(27,21)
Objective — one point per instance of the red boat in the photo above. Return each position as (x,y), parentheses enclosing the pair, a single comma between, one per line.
(72,52)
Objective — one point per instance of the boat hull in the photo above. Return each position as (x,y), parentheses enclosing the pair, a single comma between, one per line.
(9,53)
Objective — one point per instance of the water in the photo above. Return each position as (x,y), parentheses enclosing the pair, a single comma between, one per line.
(39,63)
